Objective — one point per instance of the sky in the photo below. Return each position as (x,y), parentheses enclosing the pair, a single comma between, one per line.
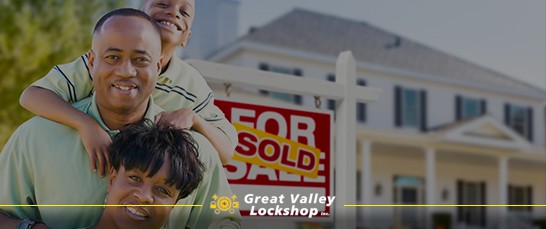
(507,36)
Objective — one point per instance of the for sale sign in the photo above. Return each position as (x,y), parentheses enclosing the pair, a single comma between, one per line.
(282,164)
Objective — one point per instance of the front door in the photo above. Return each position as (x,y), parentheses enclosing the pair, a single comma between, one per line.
(471,193)
(409,190)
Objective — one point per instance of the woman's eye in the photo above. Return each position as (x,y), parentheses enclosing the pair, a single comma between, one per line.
(135,178)
(164,191)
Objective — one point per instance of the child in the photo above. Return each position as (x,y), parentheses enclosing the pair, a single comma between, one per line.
(180,89)
(150,165)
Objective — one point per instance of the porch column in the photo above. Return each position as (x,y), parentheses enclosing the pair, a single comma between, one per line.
(503,187)
(430,193)
(366,179)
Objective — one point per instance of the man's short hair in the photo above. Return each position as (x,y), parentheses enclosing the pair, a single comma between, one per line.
(145,146)
(125,12)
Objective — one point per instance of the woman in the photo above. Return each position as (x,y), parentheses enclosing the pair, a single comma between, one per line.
(150,165)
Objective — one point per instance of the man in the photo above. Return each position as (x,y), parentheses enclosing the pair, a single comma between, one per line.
(44,162)
(180,90)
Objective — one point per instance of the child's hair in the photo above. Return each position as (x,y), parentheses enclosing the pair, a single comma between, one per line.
(146,146)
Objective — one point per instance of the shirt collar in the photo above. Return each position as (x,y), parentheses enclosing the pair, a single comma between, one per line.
(151,111)
(173,69)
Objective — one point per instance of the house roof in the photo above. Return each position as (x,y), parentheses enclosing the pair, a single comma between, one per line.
(319,33)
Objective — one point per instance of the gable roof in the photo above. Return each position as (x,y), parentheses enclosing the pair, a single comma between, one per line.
(319,33)
(484,131)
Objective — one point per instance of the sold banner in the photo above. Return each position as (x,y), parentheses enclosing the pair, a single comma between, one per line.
(283,162)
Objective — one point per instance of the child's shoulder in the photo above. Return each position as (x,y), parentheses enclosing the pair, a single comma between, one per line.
(183,74)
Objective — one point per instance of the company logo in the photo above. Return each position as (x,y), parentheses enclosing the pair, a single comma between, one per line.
(224,204)
(298,205)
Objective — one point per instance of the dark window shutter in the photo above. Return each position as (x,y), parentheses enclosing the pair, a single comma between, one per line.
(507,114)
(458,107)
(530,124)
(397,106)
(483,216)
(423,112)
(361,107)
(530,197)
(263,67)
(460,198)
(331,103)
(298,99)
(298,72)
(483,107)
(509,199)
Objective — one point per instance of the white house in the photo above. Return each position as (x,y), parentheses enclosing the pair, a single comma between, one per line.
(444,131)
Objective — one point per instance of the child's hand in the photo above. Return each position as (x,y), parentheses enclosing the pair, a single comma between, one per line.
(96,142)
(182,118)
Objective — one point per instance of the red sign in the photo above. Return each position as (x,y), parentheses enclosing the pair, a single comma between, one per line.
(281,151)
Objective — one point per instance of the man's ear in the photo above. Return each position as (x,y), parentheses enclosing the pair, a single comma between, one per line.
(159,64)
(186,38)
(91,59)
(111,177)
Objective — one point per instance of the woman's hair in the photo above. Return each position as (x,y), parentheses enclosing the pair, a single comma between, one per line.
(146,146)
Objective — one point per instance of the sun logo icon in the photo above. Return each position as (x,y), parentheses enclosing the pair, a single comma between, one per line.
(224,204)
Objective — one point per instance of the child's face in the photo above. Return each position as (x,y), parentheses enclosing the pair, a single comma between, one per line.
(174,18)
(133,187)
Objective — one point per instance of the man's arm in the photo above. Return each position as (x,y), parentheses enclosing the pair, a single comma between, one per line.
(16,180)
(6,222)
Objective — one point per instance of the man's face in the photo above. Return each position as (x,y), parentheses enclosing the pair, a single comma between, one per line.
(125,62)
(174,17)
(134,187)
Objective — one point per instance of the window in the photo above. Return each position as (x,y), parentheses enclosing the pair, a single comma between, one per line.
(296,99)
(520,119)
(469,107)
(520,195)
(410,107)
(361,107)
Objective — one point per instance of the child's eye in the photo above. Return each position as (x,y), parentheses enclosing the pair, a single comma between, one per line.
(184,13)
(160,4)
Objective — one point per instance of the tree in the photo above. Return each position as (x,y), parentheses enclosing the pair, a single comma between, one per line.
(34,36)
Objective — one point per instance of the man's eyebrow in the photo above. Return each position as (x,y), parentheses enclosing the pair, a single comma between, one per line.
(113,49)
(142,52)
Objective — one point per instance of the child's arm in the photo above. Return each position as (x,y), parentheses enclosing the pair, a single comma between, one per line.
(186,118)
(47,104)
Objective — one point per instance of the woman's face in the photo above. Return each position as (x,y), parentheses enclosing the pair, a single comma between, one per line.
(133,187)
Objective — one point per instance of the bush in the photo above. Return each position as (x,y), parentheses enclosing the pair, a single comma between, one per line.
(442,220)
(35,36)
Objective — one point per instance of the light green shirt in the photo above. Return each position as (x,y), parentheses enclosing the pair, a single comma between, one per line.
(180,86)
(44,162)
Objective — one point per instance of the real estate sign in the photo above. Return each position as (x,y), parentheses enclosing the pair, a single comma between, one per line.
(282,165)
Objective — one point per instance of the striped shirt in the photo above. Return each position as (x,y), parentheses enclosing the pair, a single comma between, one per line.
(180,86)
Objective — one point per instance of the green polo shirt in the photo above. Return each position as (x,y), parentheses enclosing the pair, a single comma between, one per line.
(180,86)
(44,162)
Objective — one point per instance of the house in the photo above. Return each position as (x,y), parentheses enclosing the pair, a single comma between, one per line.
(444,131)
